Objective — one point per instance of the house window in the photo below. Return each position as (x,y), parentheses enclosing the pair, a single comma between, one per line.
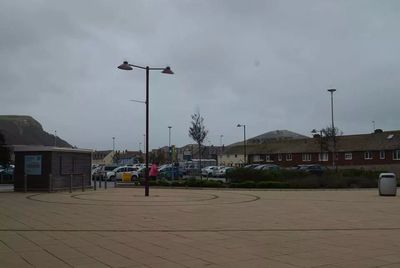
(323,157)
(268,158)
(279,157)
(289,157)
(396,155)
(348,156)
(382,155)
(306,157)
(368,155)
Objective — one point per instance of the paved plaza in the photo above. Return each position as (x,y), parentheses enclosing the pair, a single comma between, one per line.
(199,228)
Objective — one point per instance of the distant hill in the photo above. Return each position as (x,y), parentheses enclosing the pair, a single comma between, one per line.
(277,135)
(24,130)
(273,136)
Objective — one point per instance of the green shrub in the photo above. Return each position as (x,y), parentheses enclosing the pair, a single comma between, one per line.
(213,184)
(178,183)
(272,184)
(243,184)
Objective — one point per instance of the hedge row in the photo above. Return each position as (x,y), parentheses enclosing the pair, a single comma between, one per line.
(187,183)
(350,178)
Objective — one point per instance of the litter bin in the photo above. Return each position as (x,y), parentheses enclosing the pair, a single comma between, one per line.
(387,184)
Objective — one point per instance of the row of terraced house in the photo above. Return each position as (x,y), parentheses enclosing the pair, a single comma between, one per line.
(378,151)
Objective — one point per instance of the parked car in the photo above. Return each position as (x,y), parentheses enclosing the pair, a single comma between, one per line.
(221,173)
(117,173)
(215,171)
(267,167)
(312,169)
(251,166)
(102,171)
(170,172)
(208,171)
(7,173)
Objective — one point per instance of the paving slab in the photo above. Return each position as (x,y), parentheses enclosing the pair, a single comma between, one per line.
(120,227)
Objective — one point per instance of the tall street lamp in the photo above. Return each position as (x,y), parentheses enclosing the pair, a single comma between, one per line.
(170,151)
(167,70)
(331,90)
(169,144)
(244,141)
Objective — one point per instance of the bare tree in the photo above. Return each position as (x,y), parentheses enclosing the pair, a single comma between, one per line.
(198,132)
(329,132)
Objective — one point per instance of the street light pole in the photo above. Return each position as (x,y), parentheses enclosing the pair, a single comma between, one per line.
(169,144)
(332,90)
(113,138)
(167,70)
(169,136)
(244,141)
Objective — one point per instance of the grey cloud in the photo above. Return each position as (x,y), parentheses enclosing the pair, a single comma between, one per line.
(263,63)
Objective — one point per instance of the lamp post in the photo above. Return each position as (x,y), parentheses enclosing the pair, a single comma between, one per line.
(169,144)
(169,136)
(315,131)
(55,138)
(170,152)
(167,70)
(332,90)
(244,141)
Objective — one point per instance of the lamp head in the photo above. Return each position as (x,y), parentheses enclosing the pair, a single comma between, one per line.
(314,131)
(125,66)
(167,70)
(239,125)
(331,90)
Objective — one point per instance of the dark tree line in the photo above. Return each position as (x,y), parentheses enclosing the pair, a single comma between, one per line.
(4,151)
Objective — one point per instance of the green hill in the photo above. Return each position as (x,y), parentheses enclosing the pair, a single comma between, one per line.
(24,130)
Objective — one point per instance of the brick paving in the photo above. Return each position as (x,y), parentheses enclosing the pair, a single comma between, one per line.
(200,228)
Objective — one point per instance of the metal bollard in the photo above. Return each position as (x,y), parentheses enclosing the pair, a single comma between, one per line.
(94,182)
(105,183)
(1,178)
(83,182)
(115,182)
(70,183)
(100,178)
(25,183)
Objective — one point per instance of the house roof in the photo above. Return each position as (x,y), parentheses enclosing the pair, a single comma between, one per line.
(101,154)
(41,148)
(388,140)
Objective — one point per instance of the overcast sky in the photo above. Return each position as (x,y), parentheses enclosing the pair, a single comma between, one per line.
(266,64)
